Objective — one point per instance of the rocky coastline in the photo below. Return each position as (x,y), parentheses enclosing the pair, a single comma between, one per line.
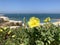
(5,21)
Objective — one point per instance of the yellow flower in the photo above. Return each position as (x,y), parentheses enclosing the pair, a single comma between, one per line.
(9,32)
(48,19)
(34,22)
(13,36)
(1,30)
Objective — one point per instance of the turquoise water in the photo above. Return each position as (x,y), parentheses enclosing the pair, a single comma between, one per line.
(40,16)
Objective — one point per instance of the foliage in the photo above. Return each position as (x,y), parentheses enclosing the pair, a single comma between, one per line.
(48,19)
(47,34)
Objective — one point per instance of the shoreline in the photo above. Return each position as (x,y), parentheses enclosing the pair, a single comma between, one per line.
(5,21)
(55,23)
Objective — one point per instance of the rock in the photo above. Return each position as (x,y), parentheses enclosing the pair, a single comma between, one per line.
(3,19)
(15,23)
(14,27)
(12,24)
(19,23)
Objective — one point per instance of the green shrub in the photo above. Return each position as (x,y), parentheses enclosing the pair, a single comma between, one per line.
(47,34)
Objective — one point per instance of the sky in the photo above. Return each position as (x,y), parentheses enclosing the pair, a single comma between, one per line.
(29,6)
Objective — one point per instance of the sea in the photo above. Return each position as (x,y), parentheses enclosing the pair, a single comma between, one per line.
(54,17)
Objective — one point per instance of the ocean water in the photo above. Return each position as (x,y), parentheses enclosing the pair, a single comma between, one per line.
(27,16)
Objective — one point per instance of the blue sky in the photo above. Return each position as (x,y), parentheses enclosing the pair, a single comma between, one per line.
(29,6)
